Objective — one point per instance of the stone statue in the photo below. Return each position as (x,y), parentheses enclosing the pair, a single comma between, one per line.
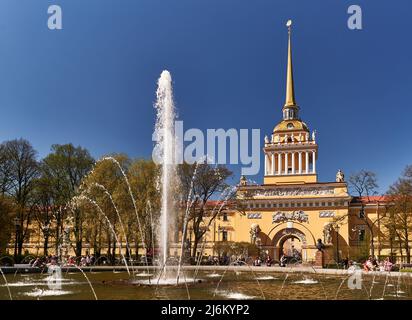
(327,236)
(286,138)
(313,135)
(340,177)
(300,137)
(266,140)
(243,181)
(254,232)
(293,138)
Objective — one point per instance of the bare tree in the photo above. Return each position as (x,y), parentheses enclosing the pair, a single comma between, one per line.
(364,184)
(23,170)
(202,182)
(400,198)
(5,170)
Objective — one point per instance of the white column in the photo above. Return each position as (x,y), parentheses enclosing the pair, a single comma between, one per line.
(279,163)
(266,164)
(286,163)
(307,162)
(313,162)
(273,164)
(293,162)
(300,162)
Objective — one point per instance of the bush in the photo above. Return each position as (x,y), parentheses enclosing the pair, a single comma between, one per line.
(229,248)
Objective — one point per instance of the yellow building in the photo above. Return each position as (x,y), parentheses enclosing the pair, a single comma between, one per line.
(292,210)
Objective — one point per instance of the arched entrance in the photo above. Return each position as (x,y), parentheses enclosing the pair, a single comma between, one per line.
(291,247)
(291,242)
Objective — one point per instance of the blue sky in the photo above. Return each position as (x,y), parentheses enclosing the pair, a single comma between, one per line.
(93,83)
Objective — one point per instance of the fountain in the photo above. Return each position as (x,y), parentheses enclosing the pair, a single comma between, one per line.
(165,151)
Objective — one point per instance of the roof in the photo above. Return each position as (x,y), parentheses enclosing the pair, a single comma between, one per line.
(370,199)
(291,125)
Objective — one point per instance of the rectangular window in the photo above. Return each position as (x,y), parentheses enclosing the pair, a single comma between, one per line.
(224,235)
(225,217)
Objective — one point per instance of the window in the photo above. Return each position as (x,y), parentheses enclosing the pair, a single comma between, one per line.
(224,235)
(290,126)
(225,216)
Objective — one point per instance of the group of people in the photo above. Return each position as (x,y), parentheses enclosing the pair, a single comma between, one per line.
(44,261)
(87,260)
(372,264)
(258,261)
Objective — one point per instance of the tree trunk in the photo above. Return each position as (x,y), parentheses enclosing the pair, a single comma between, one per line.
(20,239)
(79,246)
(58,227)
(195,244)
(45,245)
(114,252)
(408,254)
(109,251)
(372,245)
(78,233)
(56,245)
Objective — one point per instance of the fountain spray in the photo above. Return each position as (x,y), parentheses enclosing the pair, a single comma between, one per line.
(166,150)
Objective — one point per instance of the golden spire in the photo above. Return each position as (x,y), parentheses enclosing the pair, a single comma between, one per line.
(290,90)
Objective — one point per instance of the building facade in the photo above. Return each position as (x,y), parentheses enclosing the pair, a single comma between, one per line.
(291,211)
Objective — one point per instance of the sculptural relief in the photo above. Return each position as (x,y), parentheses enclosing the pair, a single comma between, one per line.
(294,192)
(299,216)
